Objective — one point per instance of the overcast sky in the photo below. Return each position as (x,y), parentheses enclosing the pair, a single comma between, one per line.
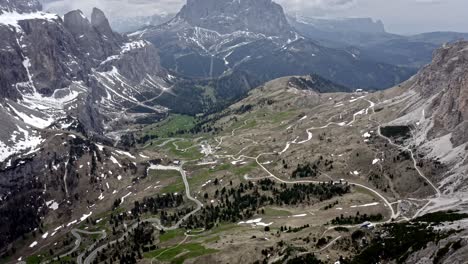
(399,16)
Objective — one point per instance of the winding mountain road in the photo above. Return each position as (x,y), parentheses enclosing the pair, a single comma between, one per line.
(393,214)
(92,255)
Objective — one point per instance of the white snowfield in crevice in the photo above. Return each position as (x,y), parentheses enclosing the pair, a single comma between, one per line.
(120,152)
(138,44)
(255,222)
(57,102)
(22,140)
(126,48)
(13,18)
(36,111)
(115,161)
(31,119)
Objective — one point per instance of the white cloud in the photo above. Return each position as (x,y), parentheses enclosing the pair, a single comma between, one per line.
(399,16)
(120,8)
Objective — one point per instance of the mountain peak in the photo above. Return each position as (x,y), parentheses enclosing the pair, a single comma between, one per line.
(227,16)
(100,22)
(20,6)
(77,22)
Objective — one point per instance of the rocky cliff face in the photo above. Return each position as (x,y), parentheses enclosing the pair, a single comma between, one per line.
(227,16)
(101,24)
(445,82)
(434,103)
(43,54)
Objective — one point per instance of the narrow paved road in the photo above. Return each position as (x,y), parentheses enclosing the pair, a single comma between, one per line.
(76,234)
(90,258)
(415,163)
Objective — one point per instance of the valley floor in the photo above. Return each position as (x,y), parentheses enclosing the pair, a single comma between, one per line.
(298,140)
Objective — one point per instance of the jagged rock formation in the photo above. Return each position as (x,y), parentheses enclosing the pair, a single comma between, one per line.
(259,16)
(447,79)
(101,24)
(435,103)
(44,56)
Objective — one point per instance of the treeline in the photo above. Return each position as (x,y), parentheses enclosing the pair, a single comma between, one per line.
(300,193)
(293,229)
(244,201)
(357,219)
(312,169)
(153,205)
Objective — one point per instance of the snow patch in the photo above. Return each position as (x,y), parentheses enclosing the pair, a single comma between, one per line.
(114,160)
(255,222)
(138,44)
(125,153)
(85,216)
(13,18)
(52,205)
(365,205)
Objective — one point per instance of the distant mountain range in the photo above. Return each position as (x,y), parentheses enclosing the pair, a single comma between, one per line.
(210,38)
(372,41)
(131,24)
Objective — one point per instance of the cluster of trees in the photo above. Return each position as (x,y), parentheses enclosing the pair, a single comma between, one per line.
(330,206)
(357,219)
(129,251)
(311,169)
(396,131)
(305,171)
(301,193)
(152,205)
(244,201)
(308,258)
(20,214)
(398,239)
(168,219)
(293,229)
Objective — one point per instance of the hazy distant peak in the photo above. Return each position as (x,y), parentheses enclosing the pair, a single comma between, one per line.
(364,25)
(226,16)
(20,6)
